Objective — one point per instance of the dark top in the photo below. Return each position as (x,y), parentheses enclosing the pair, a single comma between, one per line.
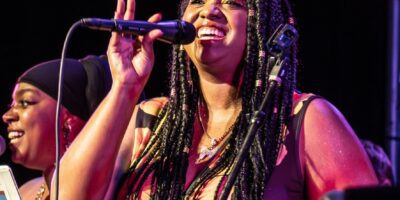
(287,180)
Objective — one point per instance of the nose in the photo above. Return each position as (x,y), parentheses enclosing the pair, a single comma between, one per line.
(211,11)
(9,116)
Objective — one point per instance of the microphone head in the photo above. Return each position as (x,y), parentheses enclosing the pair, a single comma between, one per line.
(2,145)
(188,33)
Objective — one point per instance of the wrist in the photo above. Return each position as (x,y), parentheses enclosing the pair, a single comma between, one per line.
(126,90)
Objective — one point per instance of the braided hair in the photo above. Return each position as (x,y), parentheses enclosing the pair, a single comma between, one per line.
(166,155)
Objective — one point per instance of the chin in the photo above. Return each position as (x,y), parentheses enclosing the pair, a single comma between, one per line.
(207,57)
(18,158)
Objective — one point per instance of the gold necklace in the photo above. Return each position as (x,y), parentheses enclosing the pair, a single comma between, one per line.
(40,192)
(208,152)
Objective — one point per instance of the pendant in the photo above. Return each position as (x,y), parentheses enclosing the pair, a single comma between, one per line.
(205,153)
(214,142)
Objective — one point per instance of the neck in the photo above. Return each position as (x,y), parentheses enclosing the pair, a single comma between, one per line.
(220,96)
(222,103)
(48,175)
(220,93)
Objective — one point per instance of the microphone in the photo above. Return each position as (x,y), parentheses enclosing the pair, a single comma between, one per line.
(175,31)
(2,145)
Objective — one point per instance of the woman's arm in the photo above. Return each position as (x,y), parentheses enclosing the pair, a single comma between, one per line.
(333,155)
(135,139)
(88,165)
(123,160)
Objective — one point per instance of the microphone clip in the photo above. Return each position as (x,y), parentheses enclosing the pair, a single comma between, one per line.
(278,45)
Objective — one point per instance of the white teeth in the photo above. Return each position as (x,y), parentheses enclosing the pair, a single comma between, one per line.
(210,31)
(14,134)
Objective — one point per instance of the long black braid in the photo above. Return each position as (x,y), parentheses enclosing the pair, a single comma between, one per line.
(166,155)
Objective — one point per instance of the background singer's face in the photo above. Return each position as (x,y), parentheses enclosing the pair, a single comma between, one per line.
(221,32)
(31,127)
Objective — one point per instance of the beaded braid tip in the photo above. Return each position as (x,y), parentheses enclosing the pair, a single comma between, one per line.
(261,54)
(258,83)
(291,21)
(251,12)
(173,92)
(186,149)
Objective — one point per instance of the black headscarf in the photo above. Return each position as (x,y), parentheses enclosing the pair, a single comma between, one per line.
(86,82)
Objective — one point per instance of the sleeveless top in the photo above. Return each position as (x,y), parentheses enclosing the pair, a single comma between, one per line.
(287,179)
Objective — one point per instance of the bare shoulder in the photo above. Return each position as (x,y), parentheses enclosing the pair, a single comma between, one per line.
(326,127)
(133,142)
(325,122)
(29,189)
(333,155)
(324,112)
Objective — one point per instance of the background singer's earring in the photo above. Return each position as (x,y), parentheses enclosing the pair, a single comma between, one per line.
(66,130)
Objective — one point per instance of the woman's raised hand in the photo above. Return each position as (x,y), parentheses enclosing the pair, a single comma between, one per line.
(131,58)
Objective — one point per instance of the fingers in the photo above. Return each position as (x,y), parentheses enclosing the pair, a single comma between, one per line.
(130,10)
(155,18)
(148,39)
(144,44)
(125,11)
(119,12)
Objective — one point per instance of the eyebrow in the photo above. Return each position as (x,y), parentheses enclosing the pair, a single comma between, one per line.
(25,90)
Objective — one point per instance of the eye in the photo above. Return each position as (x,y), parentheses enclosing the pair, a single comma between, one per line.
(25,103)
(234,3)
(196,2)
(21,104)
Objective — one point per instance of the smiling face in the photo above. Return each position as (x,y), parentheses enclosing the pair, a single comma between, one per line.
(221,33)
(31,120)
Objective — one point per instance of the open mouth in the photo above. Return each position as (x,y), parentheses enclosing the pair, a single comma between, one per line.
(12,135)
(210,33)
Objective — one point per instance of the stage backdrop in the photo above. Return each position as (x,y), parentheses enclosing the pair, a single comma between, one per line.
(343,52)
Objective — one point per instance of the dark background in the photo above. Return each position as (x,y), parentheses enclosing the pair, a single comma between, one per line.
(343,49)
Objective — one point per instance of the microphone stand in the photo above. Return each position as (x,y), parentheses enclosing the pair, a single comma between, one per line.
(255,122)
(278,44)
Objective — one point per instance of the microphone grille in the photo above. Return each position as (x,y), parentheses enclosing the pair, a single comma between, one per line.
(2,145)
(188,32)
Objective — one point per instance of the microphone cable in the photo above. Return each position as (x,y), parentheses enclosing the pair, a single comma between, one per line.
(58,106)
